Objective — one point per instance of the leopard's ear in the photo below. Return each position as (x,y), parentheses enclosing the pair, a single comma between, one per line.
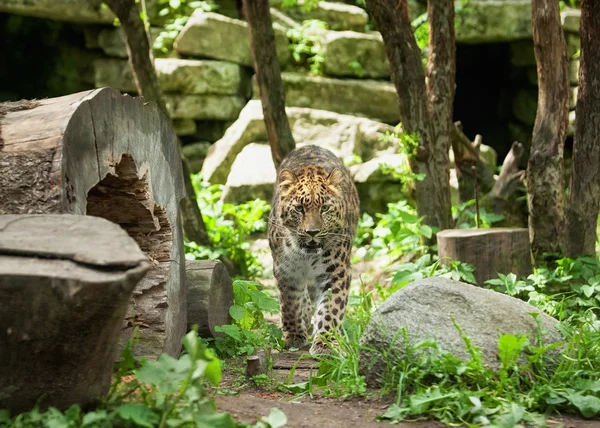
(287,177)
(336,176)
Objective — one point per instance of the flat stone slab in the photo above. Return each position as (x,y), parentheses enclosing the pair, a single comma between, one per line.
(487,21)
(352,54)
(210,35)
(186,76)
(374,99)
(209,107)
(338,16)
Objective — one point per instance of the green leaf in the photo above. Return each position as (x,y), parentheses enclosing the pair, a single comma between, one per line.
(510,347)
(237,312)
(231,331)
(276,419)
(139,414)
(264,302)
(588,405)
(95,417)
(426,231)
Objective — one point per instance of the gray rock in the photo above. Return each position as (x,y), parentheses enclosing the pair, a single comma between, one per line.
(352,54)
(195,154)
(344,135)
(427,309)
(570,20)
(184,127)
(85,11)
(338,16)
(574,71)
(525,106)
(571,127)
(178,75)
(211,107)
(573,43)
(345,96)
(252,175)
(112,41)
(210,35)
(573,98)
(375,189)
(486,21)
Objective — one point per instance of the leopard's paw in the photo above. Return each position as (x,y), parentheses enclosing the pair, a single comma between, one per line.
(295,341)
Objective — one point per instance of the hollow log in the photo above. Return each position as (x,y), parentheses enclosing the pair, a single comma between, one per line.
(65,283)
(113,156)
(490,251)
(210,295)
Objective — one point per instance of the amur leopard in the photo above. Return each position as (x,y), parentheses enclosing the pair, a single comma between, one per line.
(311,230)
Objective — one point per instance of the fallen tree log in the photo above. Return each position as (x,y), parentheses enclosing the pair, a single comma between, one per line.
(210,295)
(65,283)
(104,154)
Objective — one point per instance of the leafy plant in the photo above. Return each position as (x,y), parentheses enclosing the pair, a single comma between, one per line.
(249,329)
(175,14)
(465,216)
(228,228)
(305,5)
(305,44)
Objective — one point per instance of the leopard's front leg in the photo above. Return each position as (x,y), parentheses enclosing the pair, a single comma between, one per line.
(331,307)
(293,299)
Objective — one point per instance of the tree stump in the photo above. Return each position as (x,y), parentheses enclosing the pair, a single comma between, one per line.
(490,251)
(65,283)
(104,154)
(210,295)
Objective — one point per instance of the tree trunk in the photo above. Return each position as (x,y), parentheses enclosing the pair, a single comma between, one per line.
(210,295)
(545,175)
(425,110)
(490,251)
(73,155)
(584,193)
(268,76)
(65,282)
(141,62)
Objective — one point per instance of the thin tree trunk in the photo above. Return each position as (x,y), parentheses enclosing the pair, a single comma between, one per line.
(142,66)
(430,119)
(545,175)
(584,193)
(268,76)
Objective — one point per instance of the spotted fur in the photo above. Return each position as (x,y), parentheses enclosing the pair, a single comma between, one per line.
(311,229)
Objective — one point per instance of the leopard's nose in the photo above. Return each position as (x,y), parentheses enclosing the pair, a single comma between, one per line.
(313,232)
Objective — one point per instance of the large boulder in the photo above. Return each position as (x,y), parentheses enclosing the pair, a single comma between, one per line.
(112,40)
(208,106)
(252,175)
(344,135)
(352,54)
(428,309)
(187,76)
(338,16)
(570,20)
(210,35)
(487,21)
(374,99)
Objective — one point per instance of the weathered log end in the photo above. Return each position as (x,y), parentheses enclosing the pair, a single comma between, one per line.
(65,283)
(490,251)
(111,156)
(210,295)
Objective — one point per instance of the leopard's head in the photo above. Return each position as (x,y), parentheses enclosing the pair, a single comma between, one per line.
(311,206)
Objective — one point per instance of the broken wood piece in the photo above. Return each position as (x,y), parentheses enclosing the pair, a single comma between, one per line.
(65,284)
(257,364)
(210,295)
(490,251)
(104,154)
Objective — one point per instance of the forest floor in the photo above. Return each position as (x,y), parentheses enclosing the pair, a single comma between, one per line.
(248,402)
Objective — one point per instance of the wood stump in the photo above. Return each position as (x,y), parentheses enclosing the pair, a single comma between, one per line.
(113,156)
(65,284)
(210,295)
(490,251)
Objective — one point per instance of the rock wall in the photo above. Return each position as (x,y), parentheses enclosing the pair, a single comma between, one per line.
(207,76)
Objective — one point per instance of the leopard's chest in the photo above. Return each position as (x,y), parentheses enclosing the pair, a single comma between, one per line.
(303,268)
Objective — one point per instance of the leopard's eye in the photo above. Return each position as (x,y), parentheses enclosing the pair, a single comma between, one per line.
(299,208)
(325,208)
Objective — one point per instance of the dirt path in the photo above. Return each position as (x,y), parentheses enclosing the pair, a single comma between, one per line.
(323,412)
